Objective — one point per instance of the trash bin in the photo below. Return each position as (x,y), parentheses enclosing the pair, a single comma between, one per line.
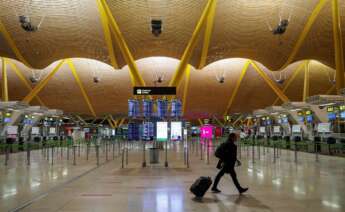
(154,155)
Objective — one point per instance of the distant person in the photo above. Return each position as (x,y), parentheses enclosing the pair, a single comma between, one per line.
(227,154)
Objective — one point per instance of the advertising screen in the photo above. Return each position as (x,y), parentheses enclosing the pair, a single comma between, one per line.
(206,131)
(12,130)
(296,128)
(176,131)
(262,129)
(35,131)
(324,127)
(276,129)
(162,131)
(52,131)
(342,115)
(309,118)
(332,116)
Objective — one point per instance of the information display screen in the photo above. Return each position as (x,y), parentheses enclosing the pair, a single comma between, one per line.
(162,131)
(206,131)
(285,120)
(276,129)
(262,130)
(12,130)
(296,128)
(301,119)
(35,131)
(52,130)
(7,120)
(176,131)
(342,115)
(87,130)
(113,132)
(324,127)
(309,118)
(332,116)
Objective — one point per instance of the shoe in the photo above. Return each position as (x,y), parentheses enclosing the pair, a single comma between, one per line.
(242,190)
(215,190)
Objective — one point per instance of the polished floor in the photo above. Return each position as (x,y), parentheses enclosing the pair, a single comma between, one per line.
(281,186)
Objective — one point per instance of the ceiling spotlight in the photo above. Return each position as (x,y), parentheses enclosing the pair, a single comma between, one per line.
(281,27)
(34,79)
(221,79)
(156,27)
(280,81)
(26,24)
(96,79)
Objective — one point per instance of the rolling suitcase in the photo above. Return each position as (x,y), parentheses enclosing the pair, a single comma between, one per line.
(200,186)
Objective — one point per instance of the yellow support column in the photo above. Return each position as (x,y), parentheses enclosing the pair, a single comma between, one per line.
(178,75)
(42,84)
(185,89)
(4,81)
(113,120)
(306,82)
(80,84)
(121,122)
(110,123)
(270,83)
(207,36)
(22,78)
(12,44)
(330,90)
(238,83)
(123,46)
(291,79)
(107,35)
(305,31)
(200,122)
(338,46)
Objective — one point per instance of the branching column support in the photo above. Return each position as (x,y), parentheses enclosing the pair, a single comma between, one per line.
(42,84)
(179,73)
(306,82)
(21,76)
(208,33)
(238,83)
(81,86)
(4,80)
(139,81)
(270,83)
(185,90)
(338,46)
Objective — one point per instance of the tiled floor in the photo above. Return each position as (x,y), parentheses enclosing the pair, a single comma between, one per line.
(280,186)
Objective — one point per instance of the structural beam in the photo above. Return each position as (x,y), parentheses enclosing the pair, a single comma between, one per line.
(207,36)
(306,82)
(218,121)
(139,81)
(81,86)
(113,120)
(110,123)
(304,33)
(338,47)
(200,122)
(4,80)
(121,122)
(12,44)
(22,78)
(270,83)
(237,86)
(237,120)
(330,90)
(179,73)
(81,119)
(42,84)
(291,79)
(185,89)
(107,34)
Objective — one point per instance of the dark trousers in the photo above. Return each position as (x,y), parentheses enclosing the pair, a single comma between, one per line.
(231,171)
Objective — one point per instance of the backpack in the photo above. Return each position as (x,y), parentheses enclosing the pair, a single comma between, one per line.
(221,151)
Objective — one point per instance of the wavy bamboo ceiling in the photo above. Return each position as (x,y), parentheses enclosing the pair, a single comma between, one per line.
(72,28)
(205,95)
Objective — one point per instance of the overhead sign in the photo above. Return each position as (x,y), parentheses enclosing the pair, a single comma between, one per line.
(142,91)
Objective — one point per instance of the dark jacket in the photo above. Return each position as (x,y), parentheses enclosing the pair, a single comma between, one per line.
(230,156)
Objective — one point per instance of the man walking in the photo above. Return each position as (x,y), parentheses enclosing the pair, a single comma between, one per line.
(227,154)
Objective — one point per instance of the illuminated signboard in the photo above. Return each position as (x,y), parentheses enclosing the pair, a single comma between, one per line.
(162,131)
(324,127)
(308,112)
(176,131)
(35,130)
(262,130)
(12,130)
(332,116)
(310,119)
(206,131)
(342,115)
(52,131)
(296,128)
(342,107)
(276,129)
(330,109)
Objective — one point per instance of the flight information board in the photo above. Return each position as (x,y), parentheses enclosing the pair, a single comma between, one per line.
(324,127)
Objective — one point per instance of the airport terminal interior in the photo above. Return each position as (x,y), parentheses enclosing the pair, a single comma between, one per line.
(145,105)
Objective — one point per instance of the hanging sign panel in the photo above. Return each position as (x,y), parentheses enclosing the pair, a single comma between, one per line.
(162,131)
(176,131)
(142,91)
